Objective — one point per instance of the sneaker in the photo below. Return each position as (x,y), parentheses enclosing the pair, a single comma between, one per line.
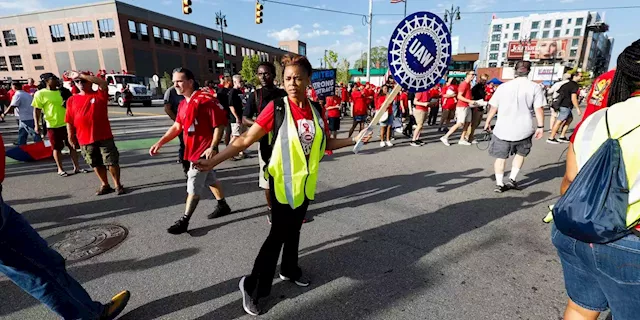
(474,142)
(115,306)
(501,189)
(382,144)
(464,143)
(420,142)
(389,144)
(249,305)
(179,226)
(415,144)
(445,141)
(553,141)
(301,282)
(220,211)
(120,190)
(512,184)
(563,140)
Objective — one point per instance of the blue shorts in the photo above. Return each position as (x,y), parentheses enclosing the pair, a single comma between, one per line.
(601,276)
(564,114)
(360,118)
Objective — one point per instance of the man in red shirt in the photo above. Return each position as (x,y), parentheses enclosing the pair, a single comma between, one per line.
(434,107)
(201,120)
(448,96)
(344,97)
(30,87)
(421,103)
(332,105)
(88,127)
(359,109)
(597,98)
(463,114)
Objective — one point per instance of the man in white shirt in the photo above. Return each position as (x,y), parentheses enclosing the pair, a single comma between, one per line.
(514,128)
(21,102)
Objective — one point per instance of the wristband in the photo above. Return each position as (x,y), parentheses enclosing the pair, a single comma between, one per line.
(215,148)
(540,127)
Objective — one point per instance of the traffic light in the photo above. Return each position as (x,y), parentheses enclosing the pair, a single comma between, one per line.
(186,6)
(259,8)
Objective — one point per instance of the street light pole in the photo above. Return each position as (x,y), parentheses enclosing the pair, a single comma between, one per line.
(450,15)
(221,20)
(369,47)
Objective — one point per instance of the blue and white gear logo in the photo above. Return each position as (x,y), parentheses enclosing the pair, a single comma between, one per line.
(419,51)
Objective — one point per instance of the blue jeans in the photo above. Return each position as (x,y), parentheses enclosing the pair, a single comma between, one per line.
(601,276)
(25,129)
(39,270)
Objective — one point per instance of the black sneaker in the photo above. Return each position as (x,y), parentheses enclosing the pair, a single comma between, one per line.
(512,184)
(563,140)
(220,211)
(553,141)
(415,144)
(179,226)
(301,282)
(501,189)
(420,142)
(249,305)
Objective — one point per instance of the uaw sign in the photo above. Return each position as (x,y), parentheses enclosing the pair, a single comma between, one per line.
(419,51)
(324,82)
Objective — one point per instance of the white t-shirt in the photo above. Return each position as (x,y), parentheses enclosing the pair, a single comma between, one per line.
(515,100)
(22,101)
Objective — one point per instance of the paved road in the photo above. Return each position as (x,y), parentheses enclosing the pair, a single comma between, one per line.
(397,233)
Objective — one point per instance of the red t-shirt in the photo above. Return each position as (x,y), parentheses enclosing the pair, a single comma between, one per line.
(597,98)
(422,97)
(29,89)
(449,103)
(11,93)
(359,103)
(311,94)
(465,89)
(344,94)
(489,90)
(332,101)
(380,101)
(303,117)
(434,92)
(89,115)
(199,135)
(369,94)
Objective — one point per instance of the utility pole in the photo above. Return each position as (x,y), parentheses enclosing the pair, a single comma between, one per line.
(221,20)
(369,47)
(405,8)
(325,59)
(450,15)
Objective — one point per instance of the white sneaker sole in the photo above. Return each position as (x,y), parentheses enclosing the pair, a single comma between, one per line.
(299,284)
(244,295)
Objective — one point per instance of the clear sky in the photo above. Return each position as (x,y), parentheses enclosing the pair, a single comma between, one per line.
(346,34)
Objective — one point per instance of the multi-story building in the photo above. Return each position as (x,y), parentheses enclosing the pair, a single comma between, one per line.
(112,35)
(572,39)
(295,46)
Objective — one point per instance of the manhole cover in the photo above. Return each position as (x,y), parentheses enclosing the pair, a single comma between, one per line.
(87,242)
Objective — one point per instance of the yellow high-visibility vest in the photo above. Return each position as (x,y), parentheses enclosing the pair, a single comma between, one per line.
(622,117)
(294,176)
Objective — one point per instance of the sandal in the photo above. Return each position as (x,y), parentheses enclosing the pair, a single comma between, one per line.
(63,174)
(81,171)
(104,190)
(120,190)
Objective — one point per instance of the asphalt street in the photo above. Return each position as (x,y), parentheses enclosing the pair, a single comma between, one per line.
(395,233)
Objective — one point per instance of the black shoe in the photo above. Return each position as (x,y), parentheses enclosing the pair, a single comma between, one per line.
(179,226)
(249,305)
(512,184)
(420,142)
(563,140)
(220,211)
(501,189)
(553,141)
(301,282)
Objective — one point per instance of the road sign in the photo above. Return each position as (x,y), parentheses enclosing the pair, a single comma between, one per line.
(155,78)
(419,51)
(220,65)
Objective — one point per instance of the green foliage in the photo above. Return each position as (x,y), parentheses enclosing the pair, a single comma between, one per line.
(343,71)
(165,81)
(249,67)
(378,58)
(331,59)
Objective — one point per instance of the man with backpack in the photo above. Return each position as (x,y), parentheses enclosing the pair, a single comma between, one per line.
(567,100)
(596,221)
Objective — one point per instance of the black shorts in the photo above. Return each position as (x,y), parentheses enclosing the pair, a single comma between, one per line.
(502,149)
(334,124)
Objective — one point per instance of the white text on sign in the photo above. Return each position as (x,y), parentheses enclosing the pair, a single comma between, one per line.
(421,53)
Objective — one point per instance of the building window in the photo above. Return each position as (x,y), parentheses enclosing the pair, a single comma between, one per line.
(209,45)
(176,38)
(497,28)
(32,35)
(507,27)
(493,56)
(185,40)
(533,35)
(573,52)
(516,36)
(516,26)
(211,68)
(566,32)
(495,47)
(215,45)
(3,64)
(493,64)
(579,21)
(556,33)
(194,42)
(545,34)
(81,30)
(233,50)
(506,36)
(57,32)
(547,24)
(166,34)
(577,32)
(133,30)
(495,37)
(504,54)
(504,45)
(535,25)
(106,28)
(575,42)
(10,38)
(39,67)
(227,49)
(569,21)
(36,56)
(558,23)
(16,63)
(144,32)
(157,36)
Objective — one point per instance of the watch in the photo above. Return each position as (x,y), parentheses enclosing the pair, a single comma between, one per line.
(215,148)
(540,127)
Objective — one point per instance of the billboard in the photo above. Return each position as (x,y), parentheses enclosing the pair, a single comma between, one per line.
(538,49)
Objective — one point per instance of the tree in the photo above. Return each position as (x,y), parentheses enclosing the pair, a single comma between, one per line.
(343,71)
(249,67)
(330,59)
(378,58)
(165,81)
(279,73)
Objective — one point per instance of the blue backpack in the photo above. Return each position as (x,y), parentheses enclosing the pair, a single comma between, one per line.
(594,208)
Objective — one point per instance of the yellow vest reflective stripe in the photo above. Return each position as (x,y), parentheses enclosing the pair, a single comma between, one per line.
(294,176)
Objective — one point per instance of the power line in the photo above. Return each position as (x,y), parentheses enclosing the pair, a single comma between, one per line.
(526,11)
(315,8)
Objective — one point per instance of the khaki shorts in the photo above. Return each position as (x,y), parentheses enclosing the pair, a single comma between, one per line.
(463,114)
(101,153)
(237,129)
(419,115)
(197,181)
(262,182)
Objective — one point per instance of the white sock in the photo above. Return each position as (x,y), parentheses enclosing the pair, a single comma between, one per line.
(514,173)
(499,177)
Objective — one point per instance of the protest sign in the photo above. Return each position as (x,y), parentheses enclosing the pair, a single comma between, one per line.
(324,82)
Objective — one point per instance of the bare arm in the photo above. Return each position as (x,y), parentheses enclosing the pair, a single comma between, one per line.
(574,100)
(169,112)
(171,134)
(9,110)
(491,114)
(217,136)
(36,119)
(463,99)
(240,143)
(247,121)
(418,103)
(571,170)
(93,79)
(334,144)
(234,113)
(540,116)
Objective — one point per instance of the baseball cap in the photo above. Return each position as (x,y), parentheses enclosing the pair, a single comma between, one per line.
(48,75)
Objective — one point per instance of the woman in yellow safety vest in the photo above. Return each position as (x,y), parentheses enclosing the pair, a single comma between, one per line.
(606,276)
(298,135)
